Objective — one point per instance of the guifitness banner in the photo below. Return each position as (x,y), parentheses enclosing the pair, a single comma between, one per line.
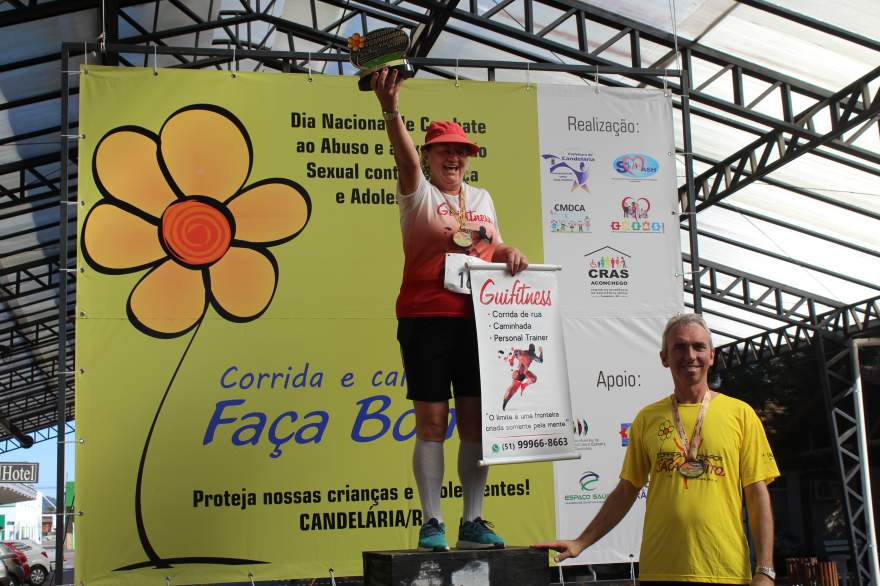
(524,380)
(609,218)
(240,396)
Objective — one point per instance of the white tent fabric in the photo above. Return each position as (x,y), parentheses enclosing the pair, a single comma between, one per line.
(812,225)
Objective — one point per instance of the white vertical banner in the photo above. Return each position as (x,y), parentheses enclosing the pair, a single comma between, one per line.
(619,374)
(609,205)
(525,396)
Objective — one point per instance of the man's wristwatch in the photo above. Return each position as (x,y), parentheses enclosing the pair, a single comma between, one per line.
(390,115)
(767,571)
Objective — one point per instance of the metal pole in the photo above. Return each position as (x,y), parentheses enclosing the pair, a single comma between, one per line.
(864,467)
(689,176)
(62,322)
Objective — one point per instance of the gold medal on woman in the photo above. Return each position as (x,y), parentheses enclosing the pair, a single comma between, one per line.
(462,238)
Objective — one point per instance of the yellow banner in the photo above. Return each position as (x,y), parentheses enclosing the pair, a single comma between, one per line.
(240,397)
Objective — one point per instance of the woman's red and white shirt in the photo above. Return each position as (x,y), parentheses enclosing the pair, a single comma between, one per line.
(428,219)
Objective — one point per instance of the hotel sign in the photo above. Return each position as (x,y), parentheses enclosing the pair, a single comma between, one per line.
(19,472)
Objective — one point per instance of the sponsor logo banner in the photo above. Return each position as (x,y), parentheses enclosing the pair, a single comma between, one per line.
(570,218)
(569,168)
(636,166)
(624,434)
(620,283)
(523,374)
(608,272)
(636,218)
(584,439)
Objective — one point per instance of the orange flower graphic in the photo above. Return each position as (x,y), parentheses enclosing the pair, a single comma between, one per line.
(665,430)
(355,42)
(177,204)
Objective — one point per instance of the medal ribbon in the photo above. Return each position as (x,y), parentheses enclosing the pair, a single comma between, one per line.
(461,212)
(690,448)
(462,217)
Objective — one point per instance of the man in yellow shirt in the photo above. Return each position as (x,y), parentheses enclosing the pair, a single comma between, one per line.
(701,450)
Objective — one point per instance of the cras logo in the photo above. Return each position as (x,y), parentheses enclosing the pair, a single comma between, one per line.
(636,217)
(624,434)
(569,218)
(636,166)
(570,168)
(608,272)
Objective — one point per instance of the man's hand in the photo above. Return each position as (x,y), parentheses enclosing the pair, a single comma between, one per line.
(567,549)
(761,580)
(615,507)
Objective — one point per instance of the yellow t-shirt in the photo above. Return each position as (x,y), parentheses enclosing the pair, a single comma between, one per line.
(693,526)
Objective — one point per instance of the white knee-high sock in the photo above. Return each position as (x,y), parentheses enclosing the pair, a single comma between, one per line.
(428,471)
(473,478)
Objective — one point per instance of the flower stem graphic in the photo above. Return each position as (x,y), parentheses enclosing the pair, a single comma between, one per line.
(154,559)
(200,233)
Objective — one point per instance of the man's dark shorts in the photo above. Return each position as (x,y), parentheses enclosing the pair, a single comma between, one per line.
(439,352)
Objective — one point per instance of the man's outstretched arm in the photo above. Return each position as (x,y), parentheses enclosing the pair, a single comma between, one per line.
(615,508)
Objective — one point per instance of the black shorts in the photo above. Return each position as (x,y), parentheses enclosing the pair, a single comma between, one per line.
(439,352)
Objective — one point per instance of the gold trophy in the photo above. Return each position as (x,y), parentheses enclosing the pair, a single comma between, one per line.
(380,48)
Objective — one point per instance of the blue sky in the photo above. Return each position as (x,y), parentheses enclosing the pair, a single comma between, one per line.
(46,455)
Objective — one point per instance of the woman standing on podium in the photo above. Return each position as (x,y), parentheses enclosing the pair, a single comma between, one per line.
(439,213)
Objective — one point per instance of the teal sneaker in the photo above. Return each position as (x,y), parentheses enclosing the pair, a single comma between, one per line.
(478,534)
(432,536)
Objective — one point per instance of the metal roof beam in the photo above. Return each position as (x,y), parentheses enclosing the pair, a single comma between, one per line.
(44,299)
(21,369)
(26,378)
(33,331)
(25,354)
(22,14)
(40,371)
(801,191)
(734,318)
(28,279)
(812,23)
(38,161)
(690,50)
(614,21)
(790,260)
(800,229)
(21,402)
(31,422)
(713,270)
(824,152)
(756,295)
(778,147)
(427,33)
(34,334)
(40,435)
(798,338)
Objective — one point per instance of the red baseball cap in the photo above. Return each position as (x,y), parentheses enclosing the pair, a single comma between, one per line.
(449,132)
